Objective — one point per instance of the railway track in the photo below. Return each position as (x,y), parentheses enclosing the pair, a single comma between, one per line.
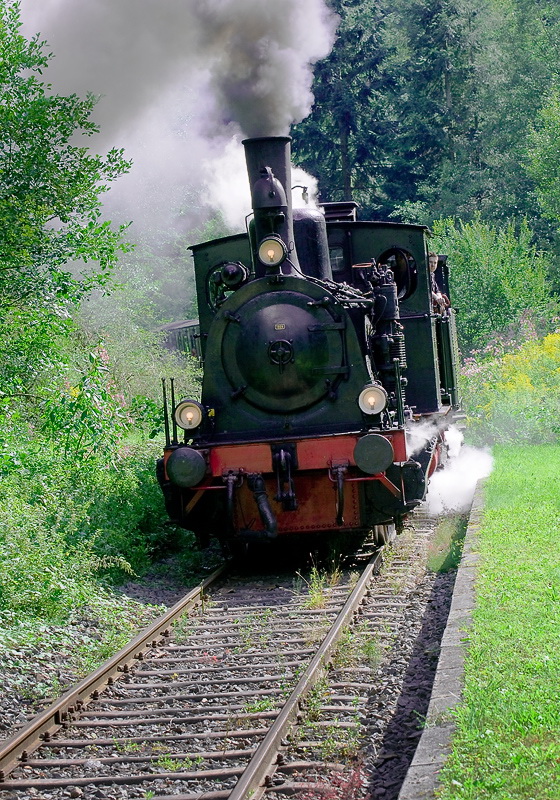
(234,693)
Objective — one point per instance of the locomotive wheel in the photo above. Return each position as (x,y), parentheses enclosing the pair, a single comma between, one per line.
(247,555)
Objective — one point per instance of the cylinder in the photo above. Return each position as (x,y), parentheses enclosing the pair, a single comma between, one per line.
(312,244)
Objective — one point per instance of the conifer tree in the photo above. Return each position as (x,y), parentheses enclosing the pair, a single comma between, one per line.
(340,141)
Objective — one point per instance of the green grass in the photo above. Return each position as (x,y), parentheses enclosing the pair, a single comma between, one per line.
(446,547)
(507,744)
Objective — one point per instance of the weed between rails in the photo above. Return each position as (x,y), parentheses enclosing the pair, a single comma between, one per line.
(169,763)
(183,628)
(357,645)
(328,743)
(314,699)
(317,586)
(262,704)
(255,629)
(127,747)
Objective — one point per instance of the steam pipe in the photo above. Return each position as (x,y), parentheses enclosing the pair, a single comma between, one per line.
(174,421)
(165,414)
(398,392)
(256,484)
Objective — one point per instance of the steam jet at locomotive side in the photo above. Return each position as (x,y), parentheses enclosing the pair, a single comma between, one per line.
(321,348)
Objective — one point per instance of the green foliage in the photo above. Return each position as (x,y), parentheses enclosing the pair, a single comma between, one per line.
(395,104)
(425,110)
(497,277)
(49,187)
(506,325)
(514,396)
(506,81)
(504,57)
(80,498)
(155,285)
(431,108)
(50,210)
(31,343)
(64,520)
(89,416)
(41,575)
(340,141)
(80,384)
(544,157)
(155,281)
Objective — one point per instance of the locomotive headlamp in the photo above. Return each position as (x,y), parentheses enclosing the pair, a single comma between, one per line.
(233,274)
(372,399)
(188,414)
(272,251)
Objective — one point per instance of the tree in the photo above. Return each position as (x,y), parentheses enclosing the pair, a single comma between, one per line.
(515,64)
(394,104)
(432,116)
(340,141)
(498,281)
(543,157)
(50,188)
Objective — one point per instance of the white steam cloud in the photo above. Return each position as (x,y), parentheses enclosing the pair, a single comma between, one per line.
(227,185)
(418,434)
(180,80)
(452,489)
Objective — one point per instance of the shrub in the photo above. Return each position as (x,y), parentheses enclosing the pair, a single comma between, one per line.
(66,521)
(41,574)
(497,278)
(514,397)
(88,416)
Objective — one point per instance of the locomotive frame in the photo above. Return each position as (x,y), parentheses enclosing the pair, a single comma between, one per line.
(322,352)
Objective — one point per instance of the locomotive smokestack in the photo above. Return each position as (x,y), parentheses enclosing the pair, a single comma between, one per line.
(269,168)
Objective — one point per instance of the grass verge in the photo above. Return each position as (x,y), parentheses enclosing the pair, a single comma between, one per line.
(507,744)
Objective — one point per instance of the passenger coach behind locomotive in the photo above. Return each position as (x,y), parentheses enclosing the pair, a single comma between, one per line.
(320,345)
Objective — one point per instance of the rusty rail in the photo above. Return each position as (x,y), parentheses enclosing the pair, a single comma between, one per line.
(41,727)
(258,773)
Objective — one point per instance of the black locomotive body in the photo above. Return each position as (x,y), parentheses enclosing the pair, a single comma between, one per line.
(322,351)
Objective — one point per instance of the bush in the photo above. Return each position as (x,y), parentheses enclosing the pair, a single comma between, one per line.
(497,278)
(89,415)
(65,520)
(130,330)
(514,397)
(64,526)
(41,575)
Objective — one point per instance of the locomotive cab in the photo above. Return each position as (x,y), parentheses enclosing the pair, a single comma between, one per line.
(431,339)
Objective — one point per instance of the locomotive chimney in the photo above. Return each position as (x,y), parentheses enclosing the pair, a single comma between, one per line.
(268,165)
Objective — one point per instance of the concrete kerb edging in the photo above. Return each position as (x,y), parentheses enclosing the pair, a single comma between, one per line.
(435,743)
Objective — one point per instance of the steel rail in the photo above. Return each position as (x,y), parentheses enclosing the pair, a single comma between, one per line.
(258,773)
(51,719)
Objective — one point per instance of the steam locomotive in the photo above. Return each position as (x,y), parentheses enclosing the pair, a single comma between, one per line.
(322,356)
